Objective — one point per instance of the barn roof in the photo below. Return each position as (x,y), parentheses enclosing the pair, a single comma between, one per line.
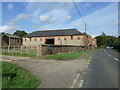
(62,32)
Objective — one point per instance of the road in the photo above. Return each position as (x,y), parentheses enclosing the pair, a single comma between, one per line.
(102,71)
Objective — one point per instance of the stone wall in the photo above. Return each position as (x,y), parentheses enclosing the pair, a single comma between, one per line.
(59,40)
(56,49)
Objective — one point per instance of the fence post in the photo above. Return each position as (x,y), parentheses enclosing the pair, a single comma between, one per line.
(8,49)
(39,50)
(21,48)
(14,47)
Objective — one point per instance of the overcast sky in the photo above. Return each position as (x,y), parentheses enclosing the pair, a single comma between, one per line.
(30,16)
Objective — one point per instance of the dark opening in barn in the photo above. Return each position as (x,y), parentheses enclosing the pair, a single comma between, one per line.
(49,41)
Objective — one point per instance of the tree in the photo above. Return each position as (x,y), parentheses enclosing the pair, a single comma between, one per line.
(20,33)
(3,33)
(117,44)
(100,41)
(105,40)
(103,34)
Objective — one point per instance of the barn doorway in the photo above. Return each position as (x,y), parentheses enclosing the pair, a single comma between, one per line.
(50,41)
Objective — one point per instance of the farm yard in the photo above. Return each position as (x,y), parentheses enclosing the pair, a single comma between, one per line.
(47,70)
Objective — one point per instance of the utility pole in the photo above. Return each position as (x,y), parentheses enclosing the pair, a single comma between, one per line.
(86,38)
(85,29)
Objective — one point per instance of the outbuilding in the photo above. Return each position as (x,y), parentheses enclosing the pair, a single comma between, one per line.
(10,40)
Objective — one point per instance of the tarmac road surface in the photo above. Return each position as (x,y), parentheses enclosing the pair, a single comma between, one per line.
(102,71)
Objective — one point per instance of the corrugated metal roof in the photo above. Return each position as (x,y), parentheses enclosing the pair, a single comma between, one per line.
(12,36)
(62,32)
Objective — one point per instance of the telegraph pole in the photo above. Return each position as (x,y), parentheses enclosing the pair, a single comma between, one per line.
(85,29)
(85,35)
(86,38)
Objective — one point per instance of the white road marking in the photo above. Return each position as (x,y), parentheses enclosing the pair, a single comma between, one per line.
(81,83)
(75,80)
(87,66)
(111,55)
(116,59)
(104,50)
(88,62)
(78,75)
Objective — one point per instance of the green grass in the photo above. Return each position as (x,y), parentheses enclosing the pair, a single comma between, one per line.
(67,56)
(15,77)
(17,54)
(115,50)
(20,53)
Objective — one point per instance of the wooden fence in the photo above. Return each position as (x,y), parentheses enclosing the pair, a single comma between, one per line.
(20,50)
(42,49)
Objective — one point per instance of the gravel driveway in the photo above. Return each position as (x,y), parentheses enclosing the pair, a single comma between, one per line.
(53,73)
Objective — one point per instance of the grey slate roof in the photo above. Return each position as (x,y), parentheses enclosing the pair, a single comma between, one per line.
(62,32)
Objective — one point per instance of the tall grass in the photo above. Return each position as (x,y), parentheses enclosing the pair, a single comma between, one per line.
(18,52)
(15,77)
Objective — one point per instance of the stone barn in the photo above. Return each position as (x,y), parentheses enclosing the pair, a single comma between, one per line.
(55,37)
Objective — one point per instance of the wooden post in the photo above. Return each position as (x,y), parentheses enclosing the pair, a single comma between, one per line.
(8,49)
(39,50)
(9,45)
(14,47)
(9,42)
(21,48)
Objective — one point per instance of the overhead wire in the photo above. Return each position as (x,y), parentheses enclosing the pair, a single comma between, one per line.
(81,16)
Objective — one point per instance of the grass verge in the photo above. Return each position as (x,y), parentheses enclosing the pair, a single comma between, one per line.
(67,56)
(116,50)
(15,77)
